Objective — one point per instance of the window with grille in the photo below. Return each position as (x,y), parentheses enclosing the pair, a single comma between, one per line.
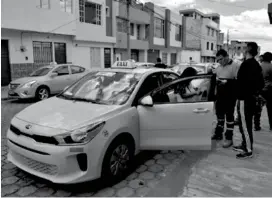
(146,31)
(44,4)
(42,52)
(66,5)
(121,25)
(90,12)
(132,29)
(208,45)
(138,32)
(211,46)
(159,28)
(178,32)
(164,58)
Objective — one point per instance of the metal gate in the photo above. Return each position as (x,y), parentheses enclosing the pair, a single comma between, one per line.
(60,53)
(107,57)
(152,56)
(173,58)
(5,66)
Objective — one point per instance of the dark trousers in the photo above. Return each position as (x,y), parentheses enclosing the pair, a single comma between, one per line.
(225,111)
(269,110)
(258,112)
(245,110)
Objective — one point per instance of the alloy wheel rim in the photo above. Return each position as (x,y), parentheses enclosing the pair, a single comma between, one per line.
(43,94)
(119,160)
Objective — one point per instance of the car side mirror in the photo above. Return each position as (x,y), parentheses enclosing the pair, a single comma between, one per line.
(53,74)
(147,101)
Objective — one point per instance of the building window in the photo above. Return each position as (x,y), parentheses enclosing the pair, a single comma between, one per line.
(107,11)
(44,4)
(212,46)
(212,32)
(90,12)
(178,32)
(121,25)
(164,58)
(208,31)
(42,52)
(146,31)
(138,32)
(60,53)
(208,45)
(132,29)
(66,5)
(159,28)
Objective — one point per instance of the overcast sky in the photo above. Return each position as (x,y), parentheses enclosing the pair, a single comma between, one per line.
(246,19)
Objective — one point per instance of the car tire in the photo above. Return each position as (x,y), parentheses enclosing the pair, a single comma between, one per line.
(42,93)
(119,147)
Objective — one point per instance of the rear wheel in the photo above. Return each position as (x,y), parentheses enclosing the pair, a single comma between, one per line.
(117,160)
(42,93)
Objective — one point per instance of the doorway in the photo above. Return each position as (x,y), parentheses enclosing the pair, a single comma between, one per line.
(5,64)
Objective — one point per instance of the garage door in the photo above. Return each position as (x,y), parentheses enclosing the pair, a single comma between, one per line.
(5,66)
(152,56)
(173,58)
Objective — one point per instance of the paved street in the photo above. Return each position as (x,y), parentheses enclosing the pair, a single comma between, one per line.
(166,173)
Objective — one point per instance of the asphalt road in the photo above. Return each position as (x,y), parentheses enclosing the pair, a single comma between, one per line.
(150,168)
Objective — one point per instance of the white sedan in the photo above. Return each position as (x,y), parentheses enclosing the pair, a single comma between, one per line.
(95,127)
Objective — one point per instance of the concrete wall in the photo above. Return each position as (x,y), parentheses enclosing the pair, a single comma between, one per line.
(175,19)
(191,33)
(26,15)
(186,54)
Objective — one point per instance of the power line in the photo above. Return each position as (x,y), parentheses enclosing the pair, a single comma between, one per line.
(231,5)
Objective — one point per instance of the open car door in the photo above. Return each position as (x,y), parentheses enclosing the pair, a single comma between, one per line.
(178,116)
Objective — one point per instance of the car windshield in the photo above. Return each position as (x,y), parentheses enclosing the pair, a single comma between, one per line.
(109,88)
(41,72)
(199,69)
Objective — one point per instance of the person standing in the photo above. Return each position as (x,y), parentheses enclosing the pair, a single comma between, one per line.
(159,64)
(250,83)
(226,98)
(267,91)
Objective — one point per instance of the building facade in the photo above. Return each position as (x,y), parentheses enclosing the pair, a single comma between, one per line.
(210,31)
(35,33)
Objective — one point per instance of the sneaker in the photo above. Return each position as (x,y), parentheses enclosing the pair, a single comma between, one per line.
(217,137)
(227,143)
(239,148)
(244,155)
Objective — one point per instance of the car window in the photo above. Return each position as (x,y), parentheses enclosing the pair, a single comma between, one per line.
(192,90)
(151,83)
(76,69)
(62,70)
(41,72)
(168,77)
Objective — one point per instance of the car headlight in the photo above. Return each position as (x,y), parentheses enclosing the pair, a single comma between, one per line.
(82,135)
(29,84)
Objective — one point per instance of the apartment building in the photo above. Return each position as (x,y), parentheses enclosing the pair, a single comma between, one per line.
(210,28)
(236,49)
(270,12)
(165,34)
(220,40)
(139,31)
(35,33)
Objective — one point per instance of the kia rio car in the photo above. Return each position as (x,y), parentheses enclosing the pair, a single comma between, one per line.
(95,127)
(47,80)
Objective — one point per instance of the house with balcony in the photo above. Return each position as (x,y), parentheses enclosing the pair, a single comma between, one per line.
(138,30)
(210,28)
(35,33)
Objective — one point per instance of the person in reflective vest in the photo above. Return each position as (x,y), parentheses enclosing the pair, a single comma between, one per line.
(226,97)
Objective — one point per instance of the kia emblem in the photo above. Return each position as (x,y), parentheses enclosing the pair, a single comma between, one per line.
(28,126)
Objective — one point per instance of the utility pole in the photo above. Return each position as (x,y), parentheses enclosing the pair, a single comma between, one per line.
(128,30)
(228,41)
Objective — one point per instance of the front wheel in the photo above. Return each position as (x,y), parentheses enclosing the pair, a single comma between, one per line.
(42,93)
(117,160)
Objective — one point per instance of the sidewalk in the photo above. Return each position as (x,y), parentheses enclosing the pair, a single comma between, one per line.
(219,173)
(4,93)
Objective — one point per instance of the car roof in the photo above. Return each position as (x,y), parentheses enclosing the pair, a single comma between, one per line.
(137,70)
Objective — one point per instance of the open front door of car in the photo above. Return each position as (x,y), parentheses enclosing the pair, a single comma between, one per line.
(177,123)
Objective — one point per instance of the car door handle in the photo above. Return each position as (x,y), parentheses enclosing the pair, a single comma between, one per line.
(201,110)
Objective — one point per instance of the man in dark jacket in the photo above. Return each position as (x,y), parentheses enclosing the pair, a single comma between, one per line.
(159,64)
(250,83)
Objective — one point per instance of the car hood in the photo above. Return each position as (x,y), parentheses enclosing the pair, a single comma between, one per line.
(25,80)
(64,114)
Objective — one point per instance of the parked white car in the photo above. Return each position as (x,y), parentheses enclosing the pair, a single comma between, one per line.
(95,127)
(45,81)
